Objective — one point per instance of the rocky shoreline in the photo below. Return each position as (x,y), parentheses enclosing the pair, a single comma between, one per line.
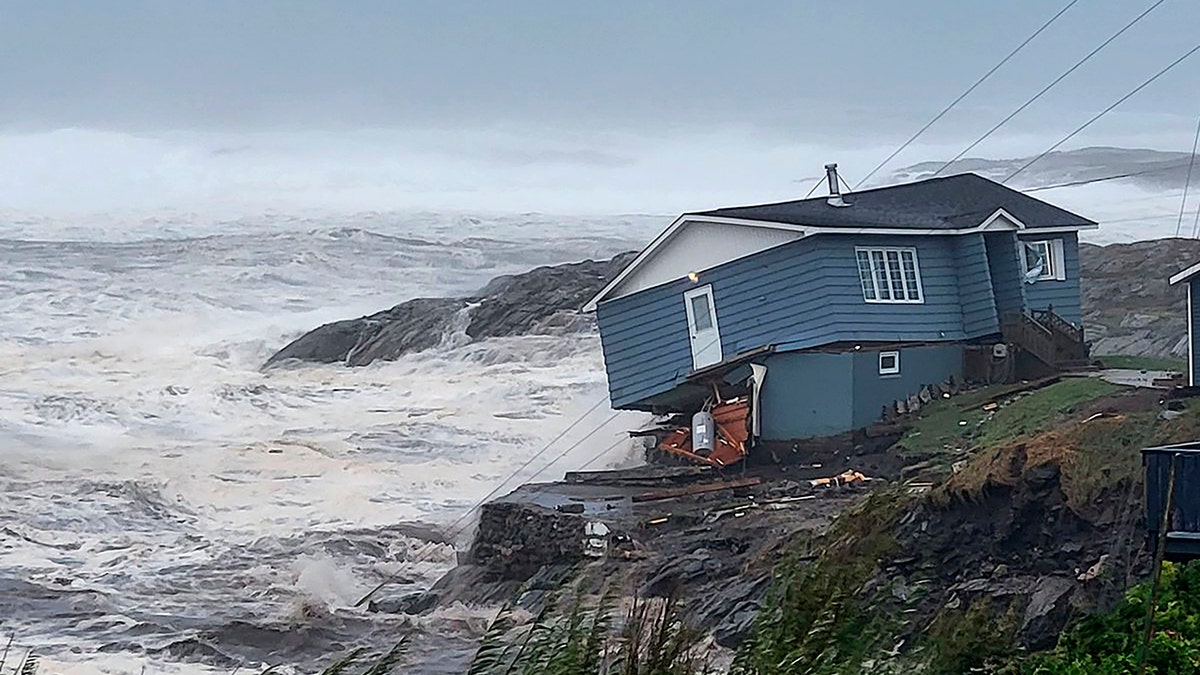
(1005,538)
(1128,308)
(542,301)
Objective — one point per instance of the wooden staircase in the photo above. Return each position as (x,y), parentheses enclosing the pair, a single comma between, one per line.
(1046,336)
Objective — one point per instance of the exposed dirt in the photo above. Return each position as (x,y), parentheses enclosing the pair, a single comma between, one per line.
(1023,537)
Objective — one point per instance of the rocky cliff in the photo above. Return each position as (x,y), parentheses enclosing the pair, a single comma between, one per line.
(543,300)
(1128,308)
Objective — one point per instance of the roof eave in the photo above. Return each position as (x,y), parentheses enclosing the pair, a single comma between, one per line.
(1184,275)
(666,235)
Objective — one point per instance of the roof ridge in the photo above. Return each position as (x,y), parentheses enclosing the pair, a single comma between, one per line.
(893,186)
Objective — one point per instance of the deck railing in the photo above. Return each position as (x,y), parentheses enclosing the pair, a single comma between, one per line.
(1053,340)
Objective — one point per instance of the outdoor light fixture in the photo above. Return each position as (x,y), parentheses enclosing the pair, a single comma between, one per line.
(693,277)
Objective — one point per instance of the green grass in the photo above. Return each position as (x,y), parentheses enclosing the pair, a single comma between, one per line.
(813,622)
(1142,362)
(1109,644)
(1037,410)
(586,636)
(960,423)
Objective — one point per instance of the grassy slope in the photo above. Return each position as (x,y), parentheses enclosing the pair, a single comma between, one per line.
(949,429)
(844,613)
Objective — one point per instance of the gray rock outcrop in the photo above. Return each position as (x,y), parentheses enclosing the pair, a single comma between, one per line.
(545,300)
(1128,307)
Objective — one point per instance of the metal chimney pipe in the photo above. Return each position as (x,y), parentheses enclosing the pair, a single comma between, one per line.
(835,189)
(831,173)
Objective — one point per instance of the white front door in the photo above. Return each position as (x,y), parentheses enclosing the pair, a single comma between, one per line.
(702,327)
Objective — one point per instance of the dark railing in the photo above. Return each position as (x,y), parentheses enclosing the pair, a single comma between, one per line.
(1058,324)
(1047,336)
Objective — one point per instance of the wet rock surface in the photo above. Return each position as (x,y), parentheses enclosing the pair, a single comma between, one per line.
(544,300)
(1128,306)
(712,551)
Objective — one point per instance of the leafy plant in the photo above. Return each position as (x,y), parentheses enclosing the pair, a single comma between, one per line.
(383,664)
(591,638)
(1109,644)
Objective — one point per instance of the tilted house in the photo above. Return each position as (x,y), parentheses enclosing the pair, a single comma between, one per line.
(850,302)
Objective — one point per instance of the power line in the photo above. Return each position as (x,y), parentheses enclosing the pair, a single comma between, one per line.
(966,93)
(1188,181)
(1089,181)
(452,532)
(1104,112)
(1050,86)
(1196,223)
(450,529)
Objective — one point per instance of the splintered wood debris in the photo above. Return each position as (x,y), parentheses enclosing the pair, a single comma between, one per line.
(685,490)
(844,478)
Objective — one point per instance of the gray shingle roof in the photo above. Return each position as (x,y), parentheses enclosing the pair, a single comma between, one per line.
(950,202)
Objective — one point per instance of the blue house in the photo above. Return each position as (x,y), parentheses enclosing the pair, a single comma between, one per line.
(845,303)
(1191,277)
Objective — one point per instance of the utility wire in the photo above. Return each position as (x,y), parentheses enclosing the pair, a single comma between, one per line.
(1104,112)
(451,530)
(1196,223)
(1089,181)
(966,93)
(1050,86)
(1188,181)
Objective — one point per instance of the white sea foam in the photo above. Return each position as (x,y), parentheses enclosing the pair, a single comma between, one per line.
(155,484)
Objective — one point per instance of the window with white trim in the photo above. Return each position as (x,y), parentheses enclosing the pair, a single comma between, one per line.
(889,363)
(889,274)
(1043,260)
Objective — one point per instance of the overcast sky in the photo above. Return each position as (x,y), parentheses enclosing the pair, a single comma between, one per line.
(784,64)
(585,80)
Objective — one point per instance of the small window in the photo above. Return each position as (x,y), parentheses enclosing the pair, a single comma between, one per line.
(889,274)
(701,312)
(889,363)
(1043,260)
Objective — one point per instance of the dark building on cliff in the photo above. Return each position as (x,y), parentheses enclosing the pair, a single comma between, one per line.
(845,303)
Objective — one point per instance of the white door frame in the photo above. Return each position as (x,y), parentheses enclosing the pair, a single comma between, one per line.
(708,342)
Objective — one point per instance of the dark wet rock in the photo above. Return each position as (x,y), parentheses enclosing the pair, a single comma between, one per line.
(545,300)
(410,603)
(195,649)
(1047,612)
(733,607)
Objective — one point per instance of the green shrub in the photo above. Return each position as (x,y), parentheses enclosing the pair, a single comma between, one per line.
(1108,644)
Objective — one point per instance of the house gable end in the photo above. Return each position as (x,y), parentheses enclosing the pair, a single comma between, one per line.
(693,246)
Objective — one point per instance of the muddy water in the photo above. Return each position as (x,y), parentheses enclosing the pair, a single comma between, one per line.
(165,504)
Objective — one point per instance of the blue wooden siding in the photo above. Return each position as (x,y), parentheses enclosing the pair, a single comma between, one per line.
(802,294)
(852,393)
(793,408)
(1062,295)
(919,366)
(975,287)
(1193,326)
(1004,264)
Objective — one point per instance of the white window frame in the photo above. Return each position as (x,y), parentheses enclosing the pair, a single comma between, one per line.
(886,278)
(889,370)
(1055,267)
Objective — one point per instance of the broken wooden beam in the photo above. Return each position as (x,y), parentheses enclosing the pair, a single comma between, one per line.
(683,491)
